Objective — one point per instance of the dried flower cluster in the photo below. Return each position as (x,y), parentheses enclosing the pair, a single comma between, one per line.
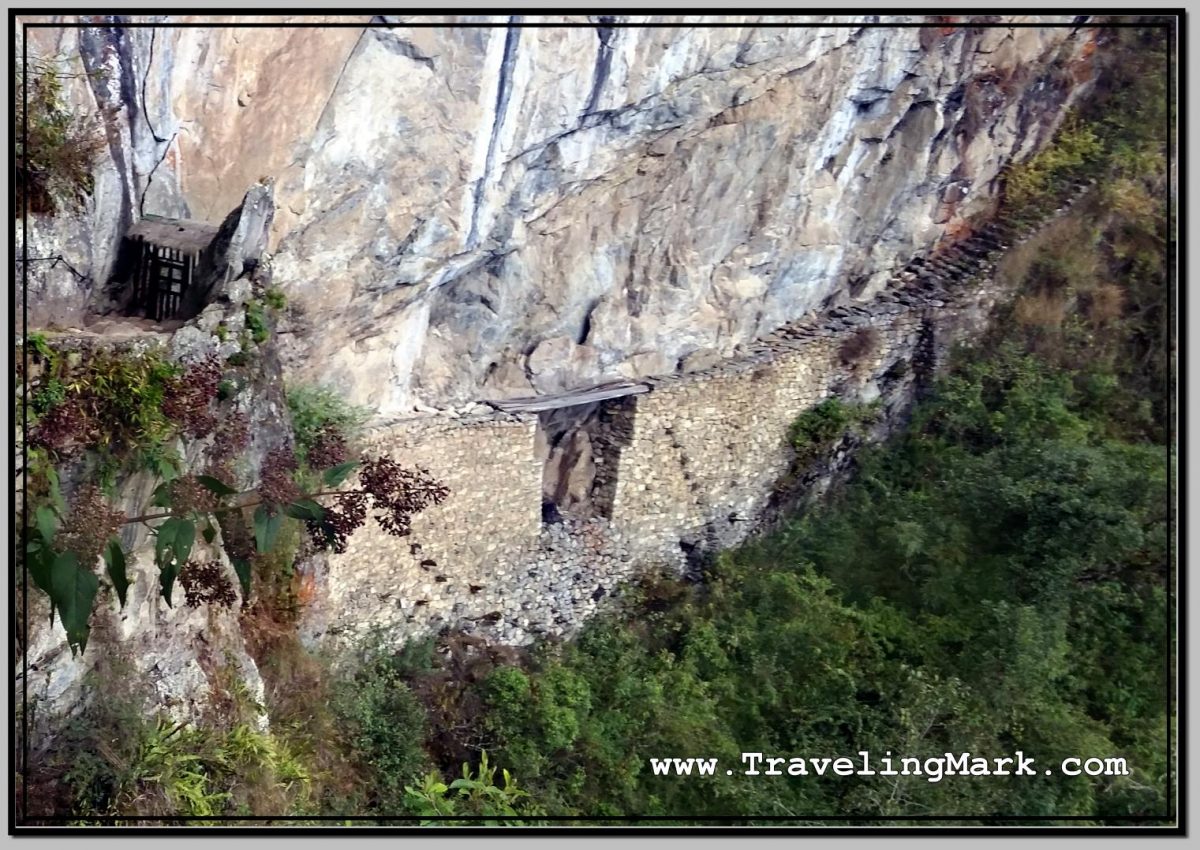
(63,429)
(278,484)
(340,521)
(230,439)
(399,493)
(188,495)
(392,493)
(89,525)
(328,449)
(236,536)
(206,583)
(187,399)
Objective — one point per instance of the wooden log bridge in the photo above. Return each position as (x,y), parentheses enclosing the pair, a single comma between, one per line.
(587,395)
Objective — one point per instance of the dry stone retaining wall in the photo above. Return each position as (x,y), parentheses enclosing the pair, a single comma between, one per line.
(493,513)
(690,465)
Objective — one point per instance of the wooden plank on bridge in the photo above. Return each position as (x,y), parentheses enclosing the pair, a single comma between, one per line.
(570,398)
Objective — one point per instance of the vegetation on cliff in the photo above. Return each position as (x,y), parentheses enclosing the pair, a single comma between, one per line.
(57,147)
(993,579)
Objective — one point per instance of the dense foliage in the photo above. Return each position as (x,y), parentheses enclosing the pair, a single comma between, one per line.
(317,411)
(104,412)
(56,148)
(993,579)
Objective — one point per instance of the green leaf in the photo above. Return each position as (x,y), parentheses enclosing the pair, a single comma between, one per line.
(335,475)
(173,546)
(56,497)
(47,524)
(39,562)
(209,533)
(164,538)
(242,567)
(305,509)
(162,495)
(166,465)
(266,528)
(185,536)
(216,485)
(166,580)
(114,557)
(73,590)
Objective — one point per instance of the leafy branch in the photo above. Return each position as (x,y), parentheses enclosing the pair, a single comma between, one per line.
(473,794)
(60,545)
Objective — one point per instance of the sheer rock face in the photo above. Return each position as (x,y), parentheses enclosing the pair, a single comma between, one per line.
(480,211)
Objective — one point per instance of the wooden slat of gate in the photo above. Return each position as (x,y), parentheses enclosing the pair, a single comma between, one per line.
(139,248)
(161,278)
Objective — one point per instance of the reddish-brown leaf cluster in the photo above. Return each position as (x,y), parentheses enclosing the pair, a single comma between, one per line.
(328,449)
(187,399)
(63,429)
(89,525)
(277,483)
(399,493)
(236,536)
(206,583)
(189,495)
(390,492)
(340,521)
(230,439)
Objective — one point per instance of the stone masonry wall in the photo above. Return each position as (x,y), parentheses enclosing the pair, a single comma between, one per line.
(691,465)
(709,447)
(427,578)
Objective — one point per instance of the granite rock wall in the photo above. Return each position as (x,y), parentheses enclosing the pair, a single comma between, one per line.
(474,207)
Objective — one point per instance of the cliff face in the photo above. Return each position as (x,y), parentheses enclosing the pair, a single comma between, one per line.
(487,211)
(490,211)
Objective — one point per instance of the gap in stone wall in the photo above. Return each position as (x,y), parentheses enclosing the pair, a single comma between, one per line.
(565,444)
(579,446)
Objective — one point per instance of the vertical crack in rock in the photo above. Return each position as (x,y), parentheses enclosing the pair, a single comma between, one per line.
(153,171)
(503,95)
(109,57)
(145,81)
(603,63)
(341,73)
(119,40)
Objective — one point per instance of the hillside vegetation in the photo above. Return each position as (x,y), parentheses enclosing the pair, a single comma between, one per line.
(993,579)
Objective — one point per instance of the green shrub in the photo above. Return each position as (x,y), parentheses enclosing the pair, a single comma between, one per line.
(474,793)
(385,727)
(1033,186)
(817,429)
(275,298)
(315,409)
(116,759)
(256,322)
(58,145)
(111,401)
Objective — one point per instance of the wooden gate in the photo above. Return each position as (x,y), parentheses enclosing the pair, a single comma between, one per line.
(168,251)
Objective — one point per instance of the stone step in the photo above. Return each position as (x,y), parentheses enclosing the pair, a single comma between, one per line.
(957,257)
(975,247)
